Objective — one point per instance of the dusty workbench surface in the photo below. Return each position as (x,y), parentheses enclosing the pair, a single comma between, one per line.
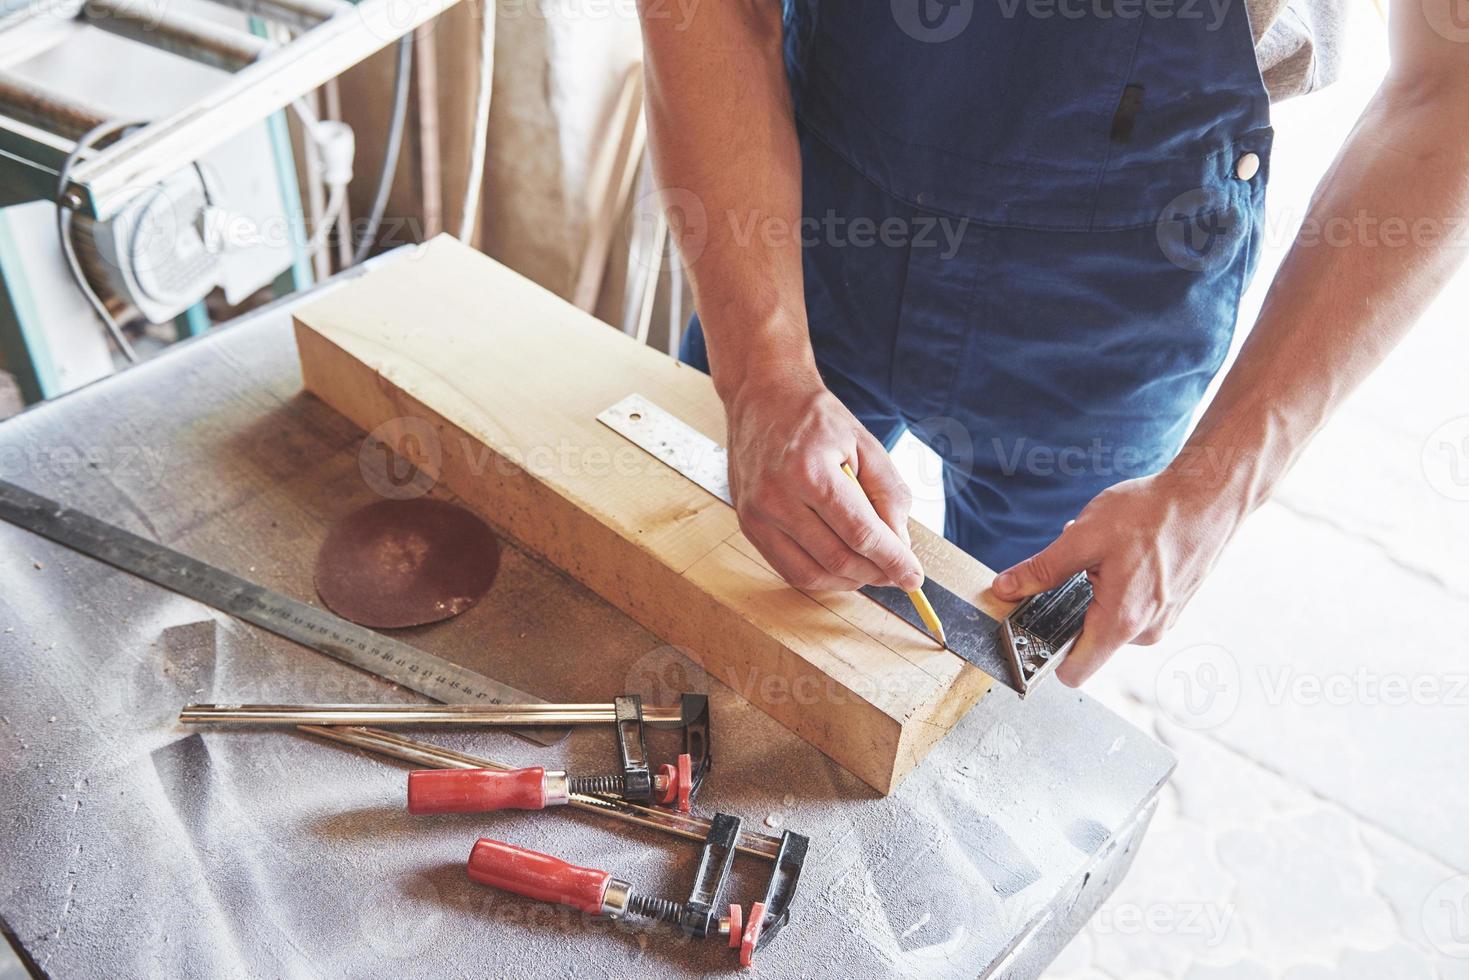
(136,847)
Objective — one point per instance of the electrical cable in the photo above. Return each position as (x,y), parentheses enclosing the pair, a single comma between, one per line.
(478,145)
(335,202)
(391,151)
(63,230)
(314,197)
(333,144)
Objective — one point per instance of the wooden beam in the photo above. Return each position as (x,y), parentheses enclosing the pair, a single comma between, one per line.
(510,379)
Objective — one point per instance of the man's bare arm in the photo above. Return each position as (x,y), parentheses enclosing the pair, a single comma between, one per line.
(725,151)
(1392,215)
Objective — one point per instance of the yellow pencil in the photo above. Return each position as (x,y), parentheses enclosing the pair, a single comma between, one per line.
(920,601)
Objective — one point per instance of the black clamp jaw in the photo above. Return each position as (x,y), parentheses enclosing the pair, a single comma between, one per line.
(699,917)
(769,917)
(675,784)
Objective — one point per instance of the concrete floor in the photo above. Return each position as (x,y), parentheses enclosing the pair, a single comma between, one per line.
(1316,691)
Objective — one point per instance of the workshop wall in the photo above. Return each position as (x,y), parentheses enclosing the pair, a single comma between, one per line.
(558,69)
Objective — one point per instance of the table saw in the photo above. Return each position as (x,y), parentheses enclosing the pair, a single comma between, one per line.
(136,846)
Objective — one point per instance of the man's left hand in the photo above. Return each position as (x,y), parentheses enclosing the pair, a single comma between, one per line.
(1146,545)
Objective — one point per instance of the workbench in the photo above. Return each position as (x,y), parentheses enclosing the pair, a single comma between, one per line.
(137,847)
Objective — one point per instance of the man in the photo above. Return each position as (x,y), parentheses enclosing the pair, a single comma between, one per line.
(1098,169)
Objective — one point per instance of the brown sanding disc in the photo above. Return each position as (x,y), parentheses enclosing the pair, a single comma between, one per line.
(405,563)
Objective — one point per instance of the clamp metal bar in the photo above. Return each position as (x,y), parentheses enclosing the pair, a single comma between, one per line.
(414,714)
(687,826)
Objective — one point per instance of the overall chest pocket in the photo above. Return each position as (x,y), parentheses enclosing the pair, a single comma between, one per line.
(1067,114)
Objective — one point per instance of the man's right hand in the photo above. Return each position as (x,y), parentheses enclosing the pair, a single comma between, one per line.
(788,435)
(788,439)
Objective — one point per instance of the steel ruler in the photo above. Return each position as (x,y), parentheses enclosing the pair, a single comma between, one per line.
(307,625)
(971,633)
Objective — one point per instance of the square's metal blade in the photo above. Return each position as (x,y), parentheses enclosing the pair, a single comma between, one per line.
(971,634)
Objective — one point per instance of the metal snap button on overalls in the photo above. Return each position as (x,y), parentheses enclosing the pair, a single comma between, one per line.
(1247,166)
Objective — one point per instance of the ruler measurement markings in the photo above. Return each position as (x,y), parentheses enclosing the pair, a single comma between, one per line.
(318,629)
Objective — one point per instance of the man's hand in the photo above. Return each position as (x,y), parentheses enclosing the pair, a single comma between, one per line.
(788,435)
(788,438)
(1146,545)
(1334,311)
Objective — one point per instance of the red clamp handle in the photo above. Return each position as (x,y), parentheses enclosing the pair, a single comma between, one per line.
(476,790)
(536,875)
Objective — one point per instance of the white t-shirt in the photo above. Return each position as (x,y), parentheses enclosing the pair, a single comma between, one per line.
(1297,43)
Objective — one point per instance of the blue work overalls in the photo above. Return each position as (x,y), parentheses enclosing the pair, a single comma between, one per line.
(1027,227)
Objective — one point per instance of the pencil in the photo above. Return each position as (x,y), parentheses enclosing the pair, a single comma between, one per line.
(919,600)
